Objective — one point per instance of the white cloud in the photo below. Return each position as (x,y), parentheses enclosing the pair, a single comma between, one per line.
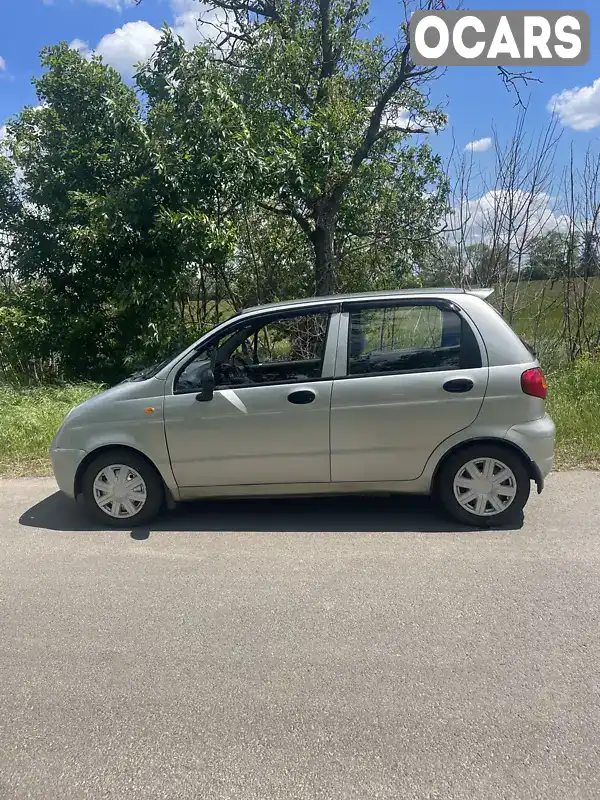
(194,22)
(2,64)
(116,5)
(479,145)
(79,45)
(578,108)
(397,118)
(4,141)
(133,43)
(512,217)
(403,118)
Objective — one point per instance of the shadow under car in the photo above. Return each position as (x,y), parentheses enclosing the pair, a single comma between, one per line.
(334,514)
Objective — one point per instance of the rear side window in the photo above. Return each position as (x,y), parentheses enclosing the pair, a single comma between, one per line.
(409,338)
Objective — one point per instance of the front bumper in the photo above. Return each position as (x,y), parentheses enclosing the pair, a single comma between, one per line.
(64,465)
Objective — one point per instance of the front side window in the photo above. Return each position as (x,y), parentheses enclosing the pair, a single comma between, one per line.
(285,349)
(407,338)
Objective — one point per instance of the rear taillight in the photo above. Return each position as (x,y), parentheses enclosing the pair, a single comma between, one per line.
(533,382)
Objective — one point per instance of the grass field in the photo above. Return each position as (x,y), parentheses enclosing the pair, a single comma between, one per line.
(29,418)
(574,405)
(539,315)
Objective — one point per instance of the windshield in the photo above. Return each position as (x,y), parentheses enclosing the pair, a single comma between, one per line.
(149,372)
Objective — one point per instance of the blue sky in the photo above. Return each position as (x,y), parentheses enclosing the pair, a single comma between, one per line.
(475,98)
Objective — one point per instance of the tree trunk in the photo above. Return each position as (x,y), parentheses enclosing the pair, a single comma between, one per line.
(323,238)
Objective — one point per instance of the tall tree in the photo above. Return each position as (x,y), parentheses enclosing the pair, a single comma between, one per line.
(80,153)
(109,219)
(201,143)
(327,106)
(547,256)
(486,264)
(10,210)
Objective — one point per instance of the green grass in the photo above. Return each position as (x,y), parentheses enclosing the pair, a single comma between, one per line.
(574,405)
(539,313)
(29,418)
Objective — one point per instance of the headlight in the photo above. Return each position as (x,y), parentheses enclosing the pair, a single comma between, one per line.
(55,442)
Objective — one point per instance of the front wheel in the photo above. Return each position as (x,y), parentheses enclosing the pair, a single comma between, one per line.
(484,485)
(121,489)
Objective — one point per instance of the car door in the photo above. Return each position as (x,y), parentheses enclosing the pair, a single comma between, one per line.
(268,420)
(409,374)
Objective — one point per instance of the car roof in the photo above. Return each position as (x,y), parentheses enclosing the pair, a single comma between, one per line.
(385,295)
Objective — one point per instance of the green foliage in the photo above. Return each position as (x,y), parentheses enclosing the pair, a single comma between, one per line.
(145,213)
(10,210)
(330,113)
(554,315)
(273,260)
(109,228)
(25,335)
(388,219)
(486,265)
(88,208)
(555,255)
(548,257)
(29,418)
(590,254)
(574,400)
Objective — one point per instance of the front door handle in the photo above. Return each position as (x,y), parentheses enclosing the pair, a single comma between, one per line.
(302,397)
(459,386)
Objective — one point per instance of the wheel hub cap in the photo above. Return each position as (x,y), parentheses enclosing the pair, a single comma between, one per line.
(485,487)
(120,491)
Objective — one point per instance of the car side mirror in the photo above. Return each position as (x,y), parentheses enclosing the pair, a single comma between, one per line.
(207,383)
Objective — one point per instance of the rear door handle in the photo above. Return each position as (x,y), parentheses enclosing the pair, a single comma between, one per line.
(459,386)
(302,397)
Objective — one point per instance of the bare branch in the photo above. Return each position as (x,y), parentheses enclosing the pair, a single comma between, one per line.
(511,79)
(377,115)
(260,8)
(302,221)
(410,129)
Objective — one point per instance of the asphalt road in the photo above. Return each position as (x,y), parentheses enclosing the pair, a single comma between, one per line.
(357,648)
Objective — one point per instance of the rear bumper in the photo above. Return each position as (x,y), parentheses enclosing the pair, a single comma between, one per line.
(537,440)
(64,465)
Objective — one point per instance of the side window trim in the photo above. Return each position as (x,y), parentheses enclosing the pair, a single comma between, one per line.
(361,305)
(331,310)
(469,336)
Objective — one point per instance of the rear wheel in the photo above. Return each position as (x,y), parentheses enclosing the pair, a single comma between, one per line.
(484,485)
(121,489)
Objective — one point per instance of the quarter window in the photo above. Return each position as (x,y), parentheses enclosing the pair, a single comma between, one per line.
(409,338)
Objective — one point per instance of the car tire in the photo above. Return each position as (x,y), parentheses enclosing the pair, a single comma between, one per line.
(121,489)
(484,485)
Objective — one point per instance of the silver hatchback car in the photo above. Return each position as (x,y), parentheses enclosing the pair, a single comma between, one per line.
(422,391)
